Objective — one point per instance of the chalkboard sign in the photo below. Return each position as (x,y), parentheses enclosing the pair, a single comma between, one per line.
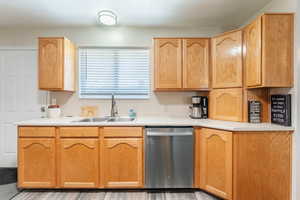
(281,109)
(254,111)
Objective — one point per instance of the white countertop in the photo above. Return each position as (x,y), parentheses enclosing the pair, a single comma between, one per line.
(161,121)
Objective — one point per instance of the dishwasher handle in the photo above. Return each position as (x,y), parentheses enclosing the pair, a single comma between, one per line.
(157,133)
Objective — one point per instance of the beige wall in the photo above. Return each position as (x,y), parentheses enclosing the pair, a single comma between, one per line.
(172,103)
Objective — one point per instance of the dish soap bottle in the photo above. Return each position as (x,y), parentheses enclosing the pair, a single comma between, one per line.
(132,113)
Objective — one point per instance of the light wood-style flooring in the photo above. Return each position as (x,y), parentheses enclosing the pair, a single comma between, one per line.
(112,195)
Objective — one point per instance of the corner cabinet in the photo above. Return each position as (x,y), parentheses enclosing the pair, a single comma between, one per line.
(216,162)
(227,67)
(57,61)
(181,64)
(269,47)
(244,165)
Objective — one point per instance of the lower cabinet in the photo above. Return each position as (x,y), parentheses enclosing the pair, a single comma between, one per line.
(80,157)
(78,163)
(244,165)
(36,165)
(123,162)
(216,162)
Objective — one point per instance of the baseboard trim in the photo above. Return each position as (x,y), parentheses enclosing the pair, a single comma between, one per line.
(8,175)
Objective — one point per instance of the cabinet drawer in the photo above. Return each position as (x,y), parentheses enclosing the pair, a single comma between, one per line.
(123,132)
(37,132)
(79,132)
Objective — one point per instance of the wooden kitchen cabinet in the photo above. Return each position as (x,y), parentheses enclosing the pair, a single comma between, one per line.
(227,66)
(262,165)
(216,162)
(123,163)
(226,104)
(57,61)
(181,64)
(244,165)
(78,163)
(36,163)
(196,61)
(268,42)
(168,63)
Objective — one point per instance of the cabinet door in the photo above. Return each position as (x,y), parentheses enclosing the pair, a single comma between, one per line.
(36,165)
(196,63)
(226,104)
(216,162)
(227,60)
(252,38)
(69,65)
(78,163)
(51,62)
(168,66)
(123,163)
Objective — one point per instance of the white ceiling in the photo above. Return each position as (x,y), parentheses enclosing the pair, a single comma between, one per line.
(158,13)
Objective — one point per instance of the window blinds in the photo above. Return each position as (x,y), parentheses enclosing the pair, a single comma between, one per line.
(122,71)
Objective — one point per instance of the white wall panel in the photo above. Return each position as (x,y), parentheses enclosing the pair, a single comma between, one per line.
(20,98)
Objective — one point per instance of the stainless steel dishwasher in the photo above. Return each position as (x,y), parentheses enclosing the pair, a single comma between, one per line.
(169,157)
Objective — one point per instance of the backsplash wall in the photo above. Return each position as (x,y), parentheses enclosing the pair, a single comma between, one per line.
(162,103)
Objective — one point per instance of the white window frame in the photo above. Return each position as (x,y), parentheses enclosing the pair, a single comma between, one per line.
(133,97)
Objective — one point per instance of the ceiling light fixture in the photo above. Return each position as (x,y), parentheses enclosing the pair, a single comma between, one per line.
(107,17)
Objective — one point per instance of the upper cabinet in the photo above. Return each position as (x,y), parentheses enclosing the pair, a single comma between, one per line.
(195,63)
(168,64)
(268,43)
(181,64)
(57,60)
(226,104)
(227,68)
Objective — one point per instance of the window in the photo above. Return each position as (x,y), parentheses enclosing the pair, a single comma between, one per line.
(122,71)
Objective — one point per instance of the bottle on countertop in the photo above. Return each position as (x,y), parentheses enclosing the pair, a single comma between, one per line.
(132,113)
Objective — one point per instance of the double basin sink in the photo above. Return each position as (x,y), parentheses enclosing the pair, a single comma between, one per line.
(106,119)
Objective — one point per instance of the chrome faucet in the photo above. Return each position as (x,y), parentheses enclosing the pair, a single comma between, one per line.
(114,109)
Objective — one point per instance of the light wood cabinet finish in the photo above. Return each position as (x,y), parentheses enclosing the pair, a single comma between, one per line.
(34,132)
(227,68)
(168,63)
(78,132)
(244,165)
(226,104)
(57,60)
(78,163)
(253,44)
(216,162)
(196,60)
(269,51)
(36,163)
(197,157)
(262,165)
(121,132)
(123,163)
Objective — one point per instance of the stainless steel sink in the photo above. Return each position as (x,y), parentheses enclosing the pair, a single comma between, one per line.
(106,119)
(120,119)
(94,119)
